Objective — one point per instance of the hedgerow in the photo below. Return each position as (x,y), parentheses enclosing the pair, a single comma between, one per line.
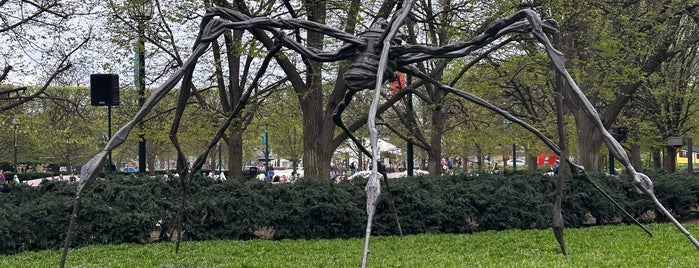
(128,209)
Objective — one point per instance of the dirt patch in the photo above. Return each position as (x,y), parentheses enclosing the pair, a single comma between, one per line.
(694,220)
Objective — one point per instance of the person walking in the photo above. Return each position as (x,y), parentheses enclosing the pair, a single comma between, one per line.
(2,176)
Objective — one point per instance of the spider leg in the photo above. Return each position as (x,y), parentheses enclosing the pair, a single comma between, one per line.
(578,171)
(373,187)
(186,177)
(89,170)
(516,23)
(640,180)
(182,165)
(218,19)
(528,20)
(337,118)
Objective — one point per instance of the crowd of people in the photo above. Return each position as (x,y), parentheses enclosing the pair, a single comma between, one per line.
(3,179)
(268,175)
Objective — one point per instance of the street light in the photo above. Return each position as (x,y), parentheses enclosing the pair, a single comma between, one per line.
(220,164)
(219,119)
(265,141)
(141,11)
(15,123)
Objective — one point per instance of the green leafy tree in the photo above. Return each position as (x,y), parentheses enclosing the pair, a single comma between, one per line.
(35,50)
(612,50)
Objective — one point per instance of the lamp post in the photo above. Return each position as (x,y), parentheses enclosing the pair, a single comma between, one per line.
(507,128)
(409,146)
(265,141)
(218,119)
(220,164)
(15,123)
(141,12)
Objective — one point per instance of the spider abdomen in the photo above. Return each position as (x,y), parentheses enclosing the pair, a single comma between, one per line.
(362,72)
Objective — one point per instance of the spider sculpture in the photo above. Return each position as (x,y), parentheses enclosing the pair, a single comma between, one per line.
(375,55)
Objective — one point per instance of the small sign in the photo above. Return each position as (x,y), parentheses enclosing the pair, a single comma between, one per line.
(675,141)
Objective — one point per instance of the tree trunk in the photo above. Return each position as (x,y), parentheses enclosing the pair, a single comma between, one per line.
(669,161)
(235,154)
(589,144)
(151,165)
(316,155)
(435,150)
(531,162)
(636,157)
(656,156)
(318,126)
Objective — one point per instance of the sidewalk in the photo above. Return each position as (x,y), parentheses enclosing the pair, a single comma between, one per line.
(36,182)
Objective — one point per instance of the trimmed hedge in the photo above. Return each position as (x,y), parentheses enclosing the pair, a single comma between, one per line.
(128,209)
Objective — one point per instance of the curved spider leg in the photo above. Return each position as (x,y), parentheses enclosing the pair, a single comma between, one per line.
(199,162)
(558,224)
(182,165)
(515,23)
(640,180)
(337,118)
(518,23)
(89,170)
(238,20)
(373,187)
(231,19)
(578,171)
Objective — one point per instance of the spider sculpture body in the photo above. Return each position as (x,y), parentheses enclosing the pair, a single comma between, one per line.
(375,55)
(361,73)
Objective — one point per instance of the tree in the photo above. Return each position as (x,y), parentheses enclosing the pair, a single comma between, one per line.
(612,50)
(58,128)
(38,34)
(671,95)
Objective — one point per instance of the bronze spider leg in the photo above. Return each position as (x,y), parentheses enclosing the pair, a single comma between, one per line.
(89,170)
(236,20)
(231,19)
(373,187)
(579,172)
(639,180)
(515,23)
(337,118)
(201,159)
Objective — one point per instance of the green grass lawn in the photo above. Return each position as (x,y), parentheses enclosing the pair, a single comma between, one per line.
(603,246)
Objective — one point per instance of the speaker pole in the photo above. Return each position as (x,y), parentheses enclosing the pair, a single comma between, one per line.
(104,91)
(110,166)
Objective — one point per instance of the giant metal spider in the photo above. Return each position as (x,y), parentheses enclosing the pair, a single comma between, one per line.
(375,55)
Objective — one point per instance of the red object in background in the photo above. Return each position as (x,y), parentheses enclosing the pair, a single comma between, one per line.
(540,160)
(398,83)
(552,160)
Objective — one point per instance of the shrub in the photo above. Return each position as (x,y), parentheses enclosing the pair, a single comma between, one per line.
(130,209)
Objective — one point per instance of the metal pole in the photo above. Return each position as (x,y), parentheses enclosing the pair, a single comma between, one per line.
(611,163)
(110,165)
(409,150)
(266,151)
(220,165)
(141,86)
(14,163)
(514,156)
(690,156)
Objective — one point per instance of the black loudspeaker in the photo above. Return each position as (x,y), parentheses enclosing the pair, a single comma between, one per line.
(104,89)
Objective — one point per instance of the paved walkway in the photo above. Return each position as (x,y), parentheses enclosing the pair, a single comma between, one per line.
(36,182)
